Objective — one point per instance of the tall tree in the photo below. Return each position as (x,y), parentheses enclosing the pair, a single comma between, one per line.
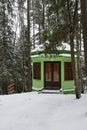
(62,24)
(72,21)
(6,43)
(84,27)
(38,18)
(33,24)
(22,41)
(29,75)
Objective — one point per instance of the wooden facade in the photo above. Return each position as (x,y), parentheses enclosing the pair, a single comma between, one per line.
(52,74)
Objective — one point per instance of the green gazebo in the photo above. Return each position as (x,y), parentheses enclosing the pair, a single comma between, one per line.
(52,71)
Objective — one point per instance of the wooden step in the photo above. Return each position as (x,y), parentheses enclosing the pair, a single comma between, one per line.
(51,91)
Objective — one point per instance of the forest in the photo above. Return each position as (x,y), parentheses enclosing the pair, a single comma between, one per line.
(24,24)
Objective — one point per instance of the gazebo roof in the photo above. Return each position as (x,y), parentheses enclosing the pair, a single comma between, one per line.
(61,51)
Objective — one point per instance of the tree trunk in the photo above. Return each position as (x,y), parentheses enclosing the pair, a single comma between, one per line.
(33,18)
(75,76)
(43,15)
(84,27)
(22,42)
(29,77)
(39,21)
(79,65)
(72,33)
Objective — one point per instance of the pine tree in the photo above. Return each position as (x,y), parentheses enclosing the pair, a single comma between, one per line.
(56,29)
(6,43)
(29,74)
(84,26)
(72,20)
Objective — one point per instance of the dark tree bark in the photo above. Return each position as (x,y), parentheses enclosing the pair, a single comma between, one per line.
(33,22)
(29,77)
(72,34)
(84,27)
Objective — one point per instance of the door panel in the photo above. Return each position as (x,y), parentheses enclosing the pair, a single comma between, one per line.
(48,72)
(55,72)
(48,76)
(52,75)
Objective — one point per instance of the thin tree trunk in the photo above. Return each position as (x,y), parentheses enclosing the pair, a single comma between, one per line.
(21,22)
(39,19)
(79,65)
(29,77)
(81,45)
(72,33)
(33,8)
(43,15)
(78,49)
(84,27)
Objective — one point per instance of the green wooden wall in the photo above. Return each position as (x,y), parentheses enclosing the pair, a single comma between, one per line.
(39,84)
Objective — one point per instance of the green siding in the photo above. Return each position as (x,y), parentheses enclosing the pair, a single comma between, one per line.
(39,84)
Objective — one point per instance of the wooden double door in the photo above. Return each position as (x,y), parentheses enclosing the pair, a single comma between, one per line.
(52,75)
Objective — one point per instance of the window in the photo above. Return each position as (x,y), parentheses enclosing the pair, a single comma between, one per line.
(68,71)
(37,70)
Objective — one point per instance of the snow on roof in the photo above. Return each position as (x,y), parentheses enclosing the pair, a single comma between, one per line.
(65,55)
(38,48)
(65,48)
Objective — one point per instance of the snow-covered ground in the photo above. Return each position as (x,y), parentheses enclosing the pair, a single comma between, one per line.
(33,111)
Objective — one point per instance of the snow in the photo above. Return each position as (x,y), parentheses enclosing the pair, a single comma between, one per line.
(64,46)
(34,111)
(38,48)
